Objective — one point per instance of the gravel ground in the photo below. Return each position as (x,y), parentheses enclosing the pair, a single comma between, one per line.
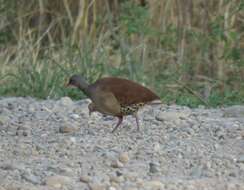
(51,144)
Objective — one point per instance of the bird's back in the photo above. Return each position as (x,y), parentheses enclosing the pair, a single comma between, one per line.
(125,91)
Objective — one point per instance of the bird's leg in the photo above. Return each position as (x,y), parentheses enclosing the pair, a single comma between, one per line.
(118,124)
(137,121)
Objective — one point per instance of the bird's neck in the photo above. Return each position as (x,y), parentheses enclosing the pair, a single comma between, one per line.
(85,90)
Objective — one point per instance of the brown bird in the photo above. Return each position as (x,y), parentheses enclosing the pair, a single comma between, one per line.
(114,96)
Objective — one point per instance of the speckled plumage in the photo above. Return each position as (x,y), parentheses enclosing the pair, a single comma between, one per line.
(131,109)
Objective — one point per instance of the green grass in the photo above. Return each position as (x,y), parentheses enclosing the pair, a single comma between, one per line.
(44,74)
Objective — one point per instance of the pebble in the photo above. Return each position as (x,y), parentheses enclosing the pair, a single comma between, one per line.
(97,186)
(31,108)
(154,185)
(116,179)
(118,173)
(12,166)
(241,166)
(74,116)
(112,188)
(240,159)
(57,181)
(67,171)
(131,176)
(114,185)
(156,147)
(171,116)
(31,178)
(3,119)
(131,188)
(124,157)
(72,140)
(7,166)
(196,171)
(68,129)
(65,101)
(139,183)
(154,167)
(117,164)
(85,178)
(24,133)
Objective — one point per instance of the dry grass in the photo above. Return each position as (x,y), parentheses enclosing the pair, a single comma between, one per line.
(171,45)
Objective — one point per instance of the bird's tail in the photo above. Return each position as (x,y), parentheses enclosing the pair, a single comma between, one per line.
(155,102)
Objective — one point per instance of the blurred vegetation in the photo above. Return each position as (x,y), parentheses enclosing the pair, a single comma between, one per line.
(190,52)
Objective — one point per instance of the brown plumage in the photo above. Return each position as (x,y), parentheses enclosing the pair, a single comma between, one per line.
(115,96)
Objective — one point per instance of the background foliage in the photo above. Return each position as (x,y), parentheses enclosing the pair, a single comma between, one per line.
(189,51)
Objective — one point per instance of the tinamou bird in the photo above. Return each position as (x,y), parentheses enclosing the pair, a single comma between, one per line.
(115,96)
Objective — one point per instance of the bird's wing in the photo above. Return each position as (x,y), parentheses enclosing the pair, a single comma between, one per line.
(127,92)
(106,103)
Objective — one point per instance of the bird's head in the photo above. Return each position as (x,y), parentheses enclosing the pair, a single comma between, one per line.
(78,82)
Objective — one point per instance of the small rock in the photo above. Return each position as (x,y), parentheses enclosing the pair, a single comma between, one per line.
(116,179)
(68,129)
(131,188)
(10,106)
(58,181)
(154,185)
(220,134)
(114,185)
(3,119)
(131,176)
(72,140)
(124,157)
(96,186)
(112,188)
(153,167)
(85,178)
(67,171)
(22,127)
(232,186)
(31,108)
(22,186)
(196,171)
(241,165)
(13,166)
(74,116)
(139,182)
(171,116)
(156,147)
(31,178)
(24,133)
(117,164)
(201,107)
(7,166)
(118,173)
(65,101)
(240,159)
